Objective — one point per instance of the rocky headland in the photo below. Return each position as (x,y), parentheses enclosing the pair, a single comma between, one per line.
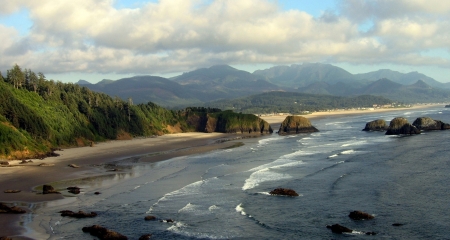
(295,125)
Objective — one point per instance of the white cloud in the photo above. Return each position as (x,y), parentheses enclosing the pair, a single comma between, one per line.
(178,35)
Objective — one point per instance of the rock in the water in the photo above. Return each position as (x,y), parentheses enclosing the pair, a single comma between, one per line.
(358,215)
(11,191)
(371,233)
(336,228)
(79,214)
(5,209)
(427,124)
(295,125)
(73,166)
(145,237)
(103,233)
(150,218)
(397,224)
(4,163)
(97,193)
(376,125)
(401,126)
(47,189)
(284,192)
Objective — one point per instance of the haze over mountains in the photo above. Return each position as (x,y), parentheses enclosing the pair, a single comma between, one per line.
(225,82)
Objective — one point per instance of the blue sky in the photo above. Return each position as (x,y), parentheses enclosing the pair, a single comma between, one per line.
(106,39)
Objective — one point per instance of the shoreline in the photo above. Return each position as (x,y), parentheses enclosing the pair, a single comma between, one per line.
(275,119)
(93,161)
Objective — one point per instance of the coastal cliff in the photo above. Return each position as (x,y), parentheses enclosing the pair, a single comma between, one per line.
(295,125)
(204,120)
(40,115)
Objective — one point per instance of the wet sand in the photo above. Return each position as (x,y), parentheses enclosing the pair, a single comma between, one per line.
(91,162)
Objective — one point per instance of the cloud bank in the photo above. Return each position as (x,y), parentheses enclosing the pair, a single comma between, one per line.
(93,36)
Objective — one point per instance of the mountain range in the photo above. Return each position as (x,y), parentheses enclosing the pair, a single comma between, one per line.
(218,82)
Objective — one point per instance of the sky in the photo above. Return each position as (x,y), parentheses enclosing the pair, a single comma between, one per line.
(112,39)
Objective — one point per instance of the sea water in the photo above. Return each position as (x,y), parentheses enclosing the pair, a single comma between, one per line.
(224,194)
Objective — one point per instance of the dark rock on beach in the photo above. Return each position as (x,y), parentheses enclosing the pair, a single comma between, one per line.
(336,228)
(295,125)
(5,209)
(284,192)
(401,126)
(79,214)
(358,215)
(427,124)
(74,190)
(12,191)
(376,125)
(47,189)
(103,233)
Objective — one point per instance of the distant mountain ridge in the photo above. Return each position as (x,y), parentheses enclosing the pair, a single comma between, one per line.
(225,82)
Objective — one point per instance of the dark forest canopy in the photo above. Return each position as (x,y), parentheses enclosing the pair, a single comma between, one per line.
(296,103)
(37,114)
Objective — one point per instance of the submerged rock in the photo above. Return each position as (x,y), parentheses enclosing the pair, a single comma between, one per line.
(295,125)
(284,192)
(401,126)
(376,125)
(359,215)
(145,237)
(103,233)
(150,218)
(336,228)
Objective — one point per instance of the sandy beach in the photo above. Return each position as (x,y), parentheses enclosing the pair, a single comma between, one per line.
(25,177)
(276,119)
(91,160)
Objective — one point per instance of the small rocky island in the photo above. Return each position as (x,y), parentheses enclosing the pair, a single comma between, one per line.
(427,124)
(295,125)
(376,125)
(401,126)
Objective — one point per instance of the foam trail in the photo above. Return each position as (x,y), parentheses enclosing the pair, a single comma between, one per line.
(240,209)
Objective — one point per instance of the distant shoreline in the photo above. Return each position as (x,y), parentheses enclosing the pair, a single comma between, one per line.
(274,119)
(25,177)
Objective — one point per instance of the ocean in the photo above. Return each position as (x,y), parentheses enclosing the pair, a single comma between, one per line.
(224,194)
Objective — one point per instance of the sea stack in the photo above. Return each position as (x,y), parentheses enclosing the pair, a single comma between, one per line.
(401,126)
(295,125)
(426,124)
(376,125)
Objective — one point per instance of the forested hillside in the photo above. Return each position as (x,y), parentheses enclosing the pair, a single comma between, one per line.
(37,114)
(295,103)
